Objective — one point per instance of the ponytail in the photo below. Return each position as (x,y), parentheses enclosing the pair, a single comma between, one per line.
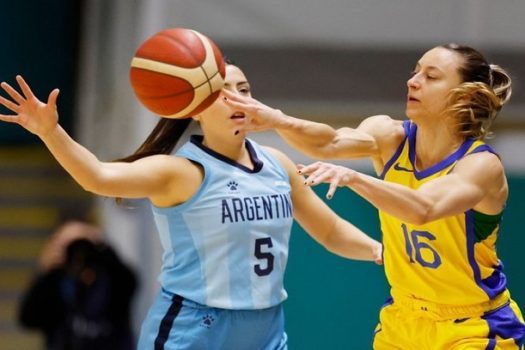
(161,140)
(501,83)
(476,102)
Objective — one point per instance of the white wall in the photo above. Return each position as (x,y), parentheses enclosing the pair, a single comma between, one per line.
(352,22)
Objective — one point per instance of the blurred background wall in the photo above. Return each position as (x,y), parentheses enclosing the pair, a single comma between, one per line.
(335,61)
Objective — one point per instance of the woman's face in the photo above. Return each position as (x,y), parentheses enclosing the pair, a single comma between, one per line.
(436,73)
(220,117)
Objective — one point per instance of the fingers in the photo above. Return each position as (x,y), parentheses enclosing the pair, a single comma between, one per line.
(308,169)
(230,96)
(52,99)
(316,173)
(9,118)
(9,104)
(239,105)
(246,129)
(234,104)
(331,190)
(26,90)
(13,93)
(320,172)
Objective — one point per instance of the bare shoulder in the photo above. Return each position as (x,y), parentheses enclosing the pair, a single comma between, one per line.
(483,165)
(383,127)
(167,163)
(180,178)
(387,133)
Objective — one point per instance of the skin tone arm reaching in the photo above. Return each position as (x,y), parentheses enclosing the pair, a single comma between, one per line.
(317,140)
(319,221)
(165,180)
(434,199)
(478,180)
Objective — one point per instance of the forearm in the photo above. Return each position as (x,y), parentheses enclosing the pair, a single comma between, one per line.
(350,242)
(397,200)
(311,138)
(80,163)
(321,141)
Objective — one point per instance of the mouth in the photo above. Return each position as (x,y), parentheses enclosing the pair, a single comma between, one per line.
(412,99)
(238,116)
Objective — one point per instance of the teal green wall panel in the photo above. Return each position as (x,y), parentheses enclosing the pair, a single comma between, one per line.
(333,302)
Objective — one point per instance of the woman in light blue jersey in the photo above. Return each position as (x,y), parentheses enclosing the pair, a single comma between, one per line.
(223,206)
(441,196)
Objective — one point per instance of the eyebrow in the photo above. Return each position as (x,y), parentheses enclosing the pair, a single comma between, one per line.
(244,82)
(430,67)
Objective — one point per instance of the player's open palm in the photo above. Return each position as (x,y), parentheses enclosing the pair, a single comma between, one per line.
(34,115)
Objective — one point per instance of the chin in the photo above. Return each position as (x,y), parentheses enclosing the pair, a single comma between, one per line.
(411,114)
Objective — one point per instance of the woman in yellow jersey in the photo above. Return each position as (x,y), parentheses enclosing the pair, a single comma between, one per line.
(440,197)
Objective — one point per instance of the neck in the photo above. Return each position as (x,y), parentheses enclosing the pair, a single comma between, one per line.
(233,149)
(435,143)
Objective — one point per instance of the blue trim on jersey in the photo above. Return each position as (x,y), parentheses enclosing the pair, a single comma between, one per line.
(471,239)
(483,148)
(497,282)
(388,165)
(460,152)
(258,164)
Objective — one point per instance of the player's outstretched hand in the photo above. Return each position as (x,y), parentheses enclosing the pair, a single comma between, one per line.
(321,172)
(34,115)
(261,116)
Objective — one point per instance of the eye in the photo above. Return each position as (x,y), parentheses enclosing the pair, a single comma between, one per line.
(431,77)
(245,90)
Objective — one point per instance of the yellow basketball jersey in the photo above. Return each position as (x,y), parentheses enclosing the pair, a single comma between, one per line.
(448,261)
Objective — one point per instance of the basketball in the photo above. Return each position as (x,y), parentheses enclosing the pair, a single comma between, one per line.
(177,73)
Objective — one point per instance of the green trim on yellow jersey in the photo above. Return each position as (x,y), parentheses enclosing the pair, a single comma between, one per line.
(484,224)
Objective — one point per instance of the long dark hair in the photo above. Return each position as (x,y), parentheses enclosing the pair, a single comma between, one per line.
(161,140)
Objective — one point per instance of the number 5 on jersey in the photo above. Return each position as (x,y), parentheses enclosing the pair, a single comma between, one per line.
(262,246)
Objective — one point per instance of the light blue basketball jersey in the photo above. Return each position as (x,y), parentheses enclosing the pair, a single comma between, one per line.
(227,246)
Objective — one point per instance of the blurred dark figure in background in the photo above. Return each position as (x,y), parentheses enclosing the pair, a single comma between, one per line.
(81,297)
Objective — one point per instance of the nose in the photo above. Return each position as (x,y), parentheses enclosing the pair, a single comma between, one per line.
(413,82)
